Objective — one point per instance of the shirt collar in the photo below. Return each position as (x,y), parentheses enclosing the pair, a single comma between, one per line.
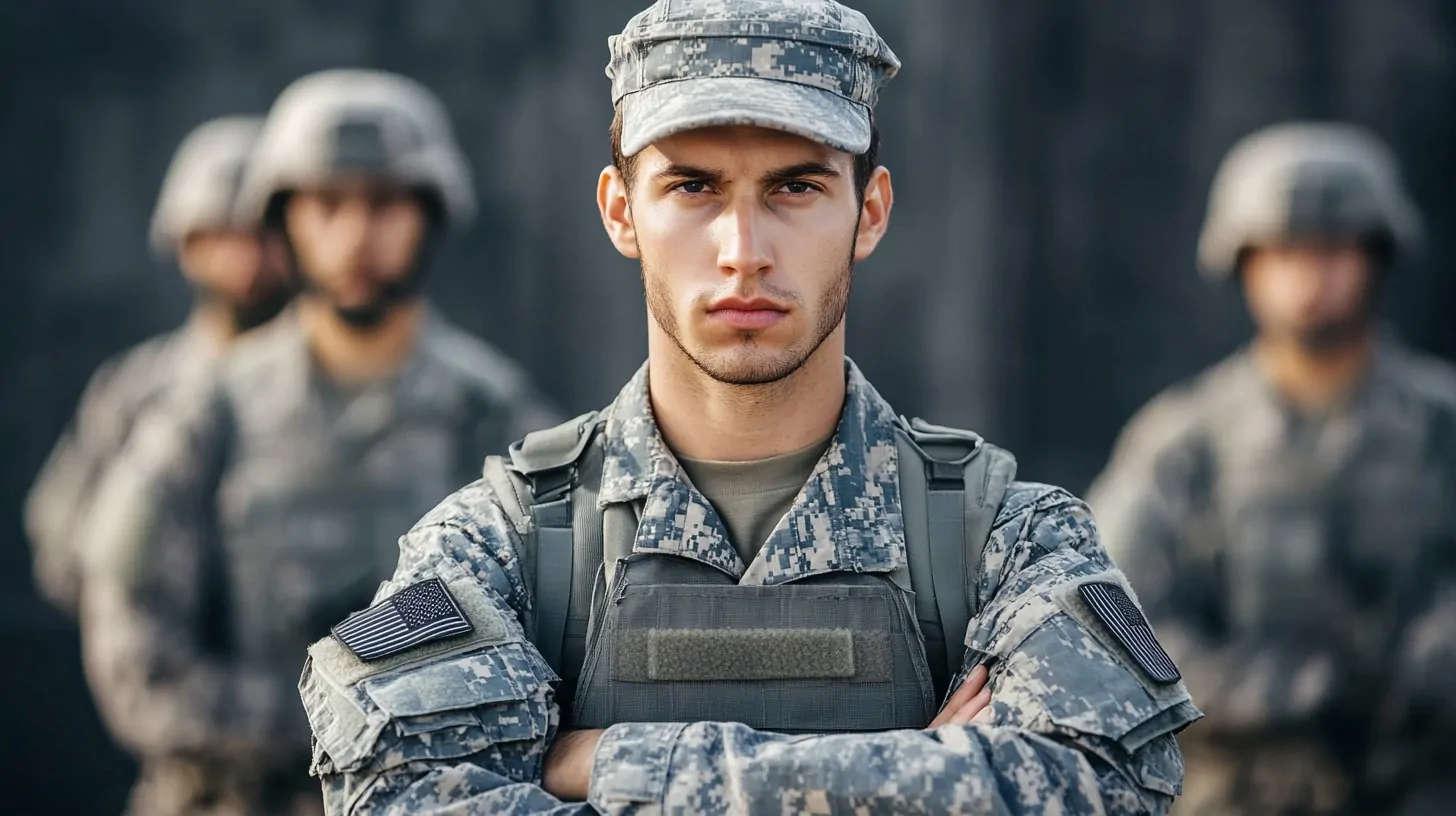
(847,518)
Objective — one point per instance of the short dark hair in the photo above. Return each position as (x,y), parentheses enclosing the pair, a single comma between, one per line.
(864,163)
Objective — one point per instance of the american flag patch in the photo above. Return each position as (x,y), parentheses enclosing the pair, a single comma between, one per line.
(419,613)
(1130,628)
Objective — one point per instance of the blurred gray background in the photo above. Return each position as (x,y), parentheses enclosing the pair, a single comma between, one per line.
(1051,159)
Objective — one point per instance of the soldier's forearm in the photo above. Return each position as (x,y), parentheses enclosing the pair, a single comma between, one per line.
(61,492)
(717,767)
(461,789)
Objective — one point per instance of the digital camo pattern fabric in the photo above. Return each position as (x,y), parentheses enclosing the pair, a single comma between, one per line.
(120,391)
(463,724)
(243,519)
(813,68)
(1298,568)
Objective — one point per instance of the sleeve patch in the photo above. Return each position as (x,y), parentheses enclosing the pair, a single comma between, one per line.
(420,613)
(1127,623)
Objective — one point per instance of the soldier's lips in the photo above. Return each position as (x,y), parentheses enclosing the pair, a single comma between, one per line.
(746,315)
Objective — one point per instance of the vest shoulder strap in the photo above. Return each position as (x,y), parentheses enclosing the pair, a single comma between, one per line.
(536,484)
(952,483)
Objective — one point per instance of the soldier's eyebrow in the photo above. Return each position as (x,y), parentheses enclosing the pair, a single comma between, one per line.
(688,172)
(802,170)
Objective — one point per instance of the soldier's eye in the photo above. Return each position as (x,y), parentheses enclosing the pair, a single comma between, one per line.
(798,188)
(692,187)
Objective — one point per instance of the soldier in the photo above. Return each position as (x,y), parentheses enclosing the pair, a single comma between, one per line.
(1286,516)
(243,520)
(699,599)
(240,279)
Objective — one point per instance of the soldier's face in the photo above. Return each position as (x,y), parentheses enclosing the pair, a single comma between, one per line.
(245,271)
(357,242)
(1315,293)
(747,239)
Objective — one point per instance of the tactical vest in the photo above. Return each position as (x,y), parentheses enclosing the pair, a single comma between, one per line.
(649,637)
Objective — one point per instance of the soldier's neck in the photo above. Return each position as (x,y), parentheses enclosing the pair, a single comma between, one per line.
(215,321)
(1315,380)
(351,355)
(702,418)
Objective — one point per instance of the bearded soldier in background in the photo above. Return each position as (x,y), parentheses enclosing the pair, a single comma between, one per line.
(1287,516)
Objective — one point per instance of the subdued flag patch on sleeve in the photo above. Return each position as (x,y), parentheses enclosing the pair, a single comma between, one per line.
(1127,623)
(420,613)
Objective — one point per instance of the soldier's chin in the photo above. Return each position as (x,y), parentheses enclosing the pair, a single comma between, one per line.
(366,316)
(749,364)
(1327,338)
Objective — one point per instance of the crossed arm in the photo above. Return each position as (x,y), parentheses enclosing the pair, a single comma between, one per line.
(567,774)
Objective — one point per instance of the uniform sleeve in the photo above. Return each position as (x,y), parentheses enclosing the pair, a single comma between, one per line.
(1078,727)
(458,725)
(156,659)
(65,484)
(1151,508)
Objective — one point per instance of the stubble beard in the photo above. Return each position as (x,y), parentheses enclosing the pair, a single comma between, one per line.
(1334,336)
(748,363)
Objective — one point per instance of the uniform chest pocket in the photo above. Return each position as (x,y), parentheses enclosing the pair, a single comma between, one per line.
(792,658)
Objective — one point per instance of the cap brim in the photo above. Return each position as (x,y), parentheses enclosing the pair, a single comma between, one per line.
(673,107)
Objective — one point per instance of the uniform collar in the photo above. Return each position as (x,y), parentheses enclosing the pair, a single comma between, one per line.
(845,519)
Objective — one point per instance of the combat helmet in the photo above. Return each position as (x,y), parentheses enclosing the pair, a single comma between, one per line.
(351,122)
(201,187)
(1305,179)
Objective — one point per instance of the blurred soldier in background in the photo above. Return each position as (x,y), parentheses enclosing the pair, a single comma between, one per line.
(255,508)
(241,280)
(1287,516)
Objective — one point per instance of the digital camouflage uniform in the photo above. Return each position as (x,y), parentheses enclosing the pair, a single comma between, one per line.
(198,193)
(465,722)
(412,714)
(254,507)
(1299,567)
(245,518)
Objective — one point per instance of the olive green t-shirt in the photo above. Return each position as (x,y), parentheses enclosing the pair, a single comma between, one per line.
(751,497)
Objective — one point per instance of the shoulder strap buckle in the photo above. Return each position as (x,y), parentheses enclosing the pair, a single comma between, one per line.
(547,458)
(925,434)
(945,451)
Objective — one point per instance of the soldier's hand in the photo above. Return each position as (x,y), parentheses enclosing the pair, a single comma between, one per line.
(567,774)
(970,703)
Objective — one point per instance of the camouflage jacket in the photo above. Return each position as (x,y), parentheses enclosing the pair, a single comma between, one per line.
(462,725)
(1299,568)
(250,511)
(119,391)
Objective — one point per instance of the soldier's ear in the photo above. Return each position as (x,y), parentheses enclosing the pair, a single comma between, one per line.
(874,216)
(614,205)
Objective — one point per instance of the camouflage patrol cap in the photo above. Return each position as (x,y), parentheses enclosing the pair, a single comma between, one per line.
(201,186)
(1305,180)
(351,122)
(813,68)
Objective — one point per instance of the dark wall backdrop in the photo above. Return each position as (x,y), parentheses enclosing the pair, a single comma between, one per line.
(1051,159)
